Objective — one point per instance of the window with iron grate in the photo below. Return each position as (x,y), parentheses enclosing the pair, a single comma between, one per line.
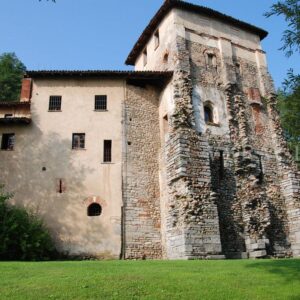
(100,102)
(55,103)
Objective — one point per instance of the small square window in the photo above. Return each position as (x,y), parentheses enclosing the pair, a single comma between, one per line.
(107,151)
(78,141)
(55,103)
(156,39)
(8,141)
(101,102)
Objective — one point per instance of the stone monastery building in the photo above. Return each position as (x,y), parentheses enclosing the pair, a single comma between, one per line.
(183,158)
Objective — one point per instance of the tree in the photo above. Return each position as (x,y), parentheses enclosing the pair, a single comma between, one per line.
(11,74)
(289,108)
(289,97)
(22,234)
(291,37)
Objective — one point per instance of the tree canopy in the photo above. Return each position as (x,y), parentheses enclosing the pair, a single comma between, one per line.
(11,74)
(291,37)
(289,97)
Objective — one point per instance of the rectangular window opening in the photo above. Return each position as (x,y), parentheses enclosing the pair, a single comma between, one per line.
(78,141)
(156,39)
(145,58)
(107,151)
(100,102)
(60,186)
(221,164)
(55,103)
(261,174)
(8,141)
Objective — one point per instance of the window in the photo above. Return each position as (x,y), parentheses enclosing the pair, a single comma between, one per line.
(55,103)
(211,60)
(8,141)
(145,57)
(107,151)
(94,210)
(101,102)
(78,141)
(156,39)
(60,186)
(208,114)
(221,170)
(237,68)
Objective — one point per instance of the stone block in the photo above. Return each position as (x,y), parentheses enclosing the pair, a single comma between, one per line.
(258,254)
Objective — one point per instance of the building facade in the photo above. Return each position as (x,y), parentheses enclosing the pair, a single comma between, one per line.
(183,158)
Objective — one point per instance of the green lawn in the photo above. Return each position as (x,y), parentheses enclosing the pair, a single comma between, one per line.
(228,279)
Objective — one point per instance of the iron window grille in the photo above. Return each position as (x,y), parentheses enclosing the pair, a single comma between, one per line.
(8,141)
(78,141)
(101,102)
(107,151)
(55,103)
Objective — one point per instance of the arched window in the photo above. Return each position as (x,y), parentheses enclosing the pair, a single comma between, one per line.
(94,210)
(208,114)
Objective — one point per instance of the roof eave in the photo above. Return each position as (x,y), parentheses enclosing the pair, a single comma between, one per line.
(168,6)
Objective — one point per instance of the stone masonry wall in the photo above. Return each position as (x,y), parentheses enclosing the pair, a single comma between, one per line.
(141,195)
(250,203)
(192,217)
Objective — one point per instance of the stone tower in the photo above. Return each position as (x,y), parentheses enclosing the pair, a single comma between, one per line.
(183,158)
(229,186)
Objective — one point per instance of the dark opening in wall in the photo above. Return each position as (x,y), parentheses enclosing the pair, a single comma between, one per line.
(8,141)
(261,174)
(94,210)
(221,169)
(107,151)
(145,57)
(156,39)
(166,57)
(60,186)
(208,114)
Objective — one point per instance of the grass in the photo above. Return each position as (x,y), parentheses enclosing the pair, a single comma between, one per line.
(228,279)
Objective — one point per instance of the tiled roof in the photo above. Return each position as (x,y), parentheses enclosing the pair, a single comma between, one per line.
(98,73)
(14,103)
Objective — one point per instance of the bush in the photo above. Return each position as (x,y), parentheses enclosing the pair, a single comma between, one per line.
(22,234)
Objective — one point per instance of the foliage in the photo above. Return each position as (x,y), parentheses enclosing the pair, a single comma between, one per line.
(11,74)
(223,279)
(289,107)
(291,37)
(22,235)
(289,98)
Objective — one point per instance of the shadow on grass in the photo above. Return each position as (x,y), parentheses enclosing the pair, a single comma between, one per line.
(287,269)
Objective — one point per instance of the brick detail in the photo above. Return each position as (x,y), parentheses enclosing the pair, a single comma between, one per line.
(26,90)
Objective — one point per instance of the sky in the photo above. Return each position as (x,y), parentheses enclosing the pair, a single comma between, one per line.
(99,34)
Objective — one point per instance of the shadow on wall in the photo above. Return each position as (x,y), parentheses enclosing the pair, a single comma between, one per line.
(32,172)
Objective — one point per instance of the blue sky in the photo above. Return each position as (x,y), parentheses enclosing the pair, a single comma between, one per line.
(99,34)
